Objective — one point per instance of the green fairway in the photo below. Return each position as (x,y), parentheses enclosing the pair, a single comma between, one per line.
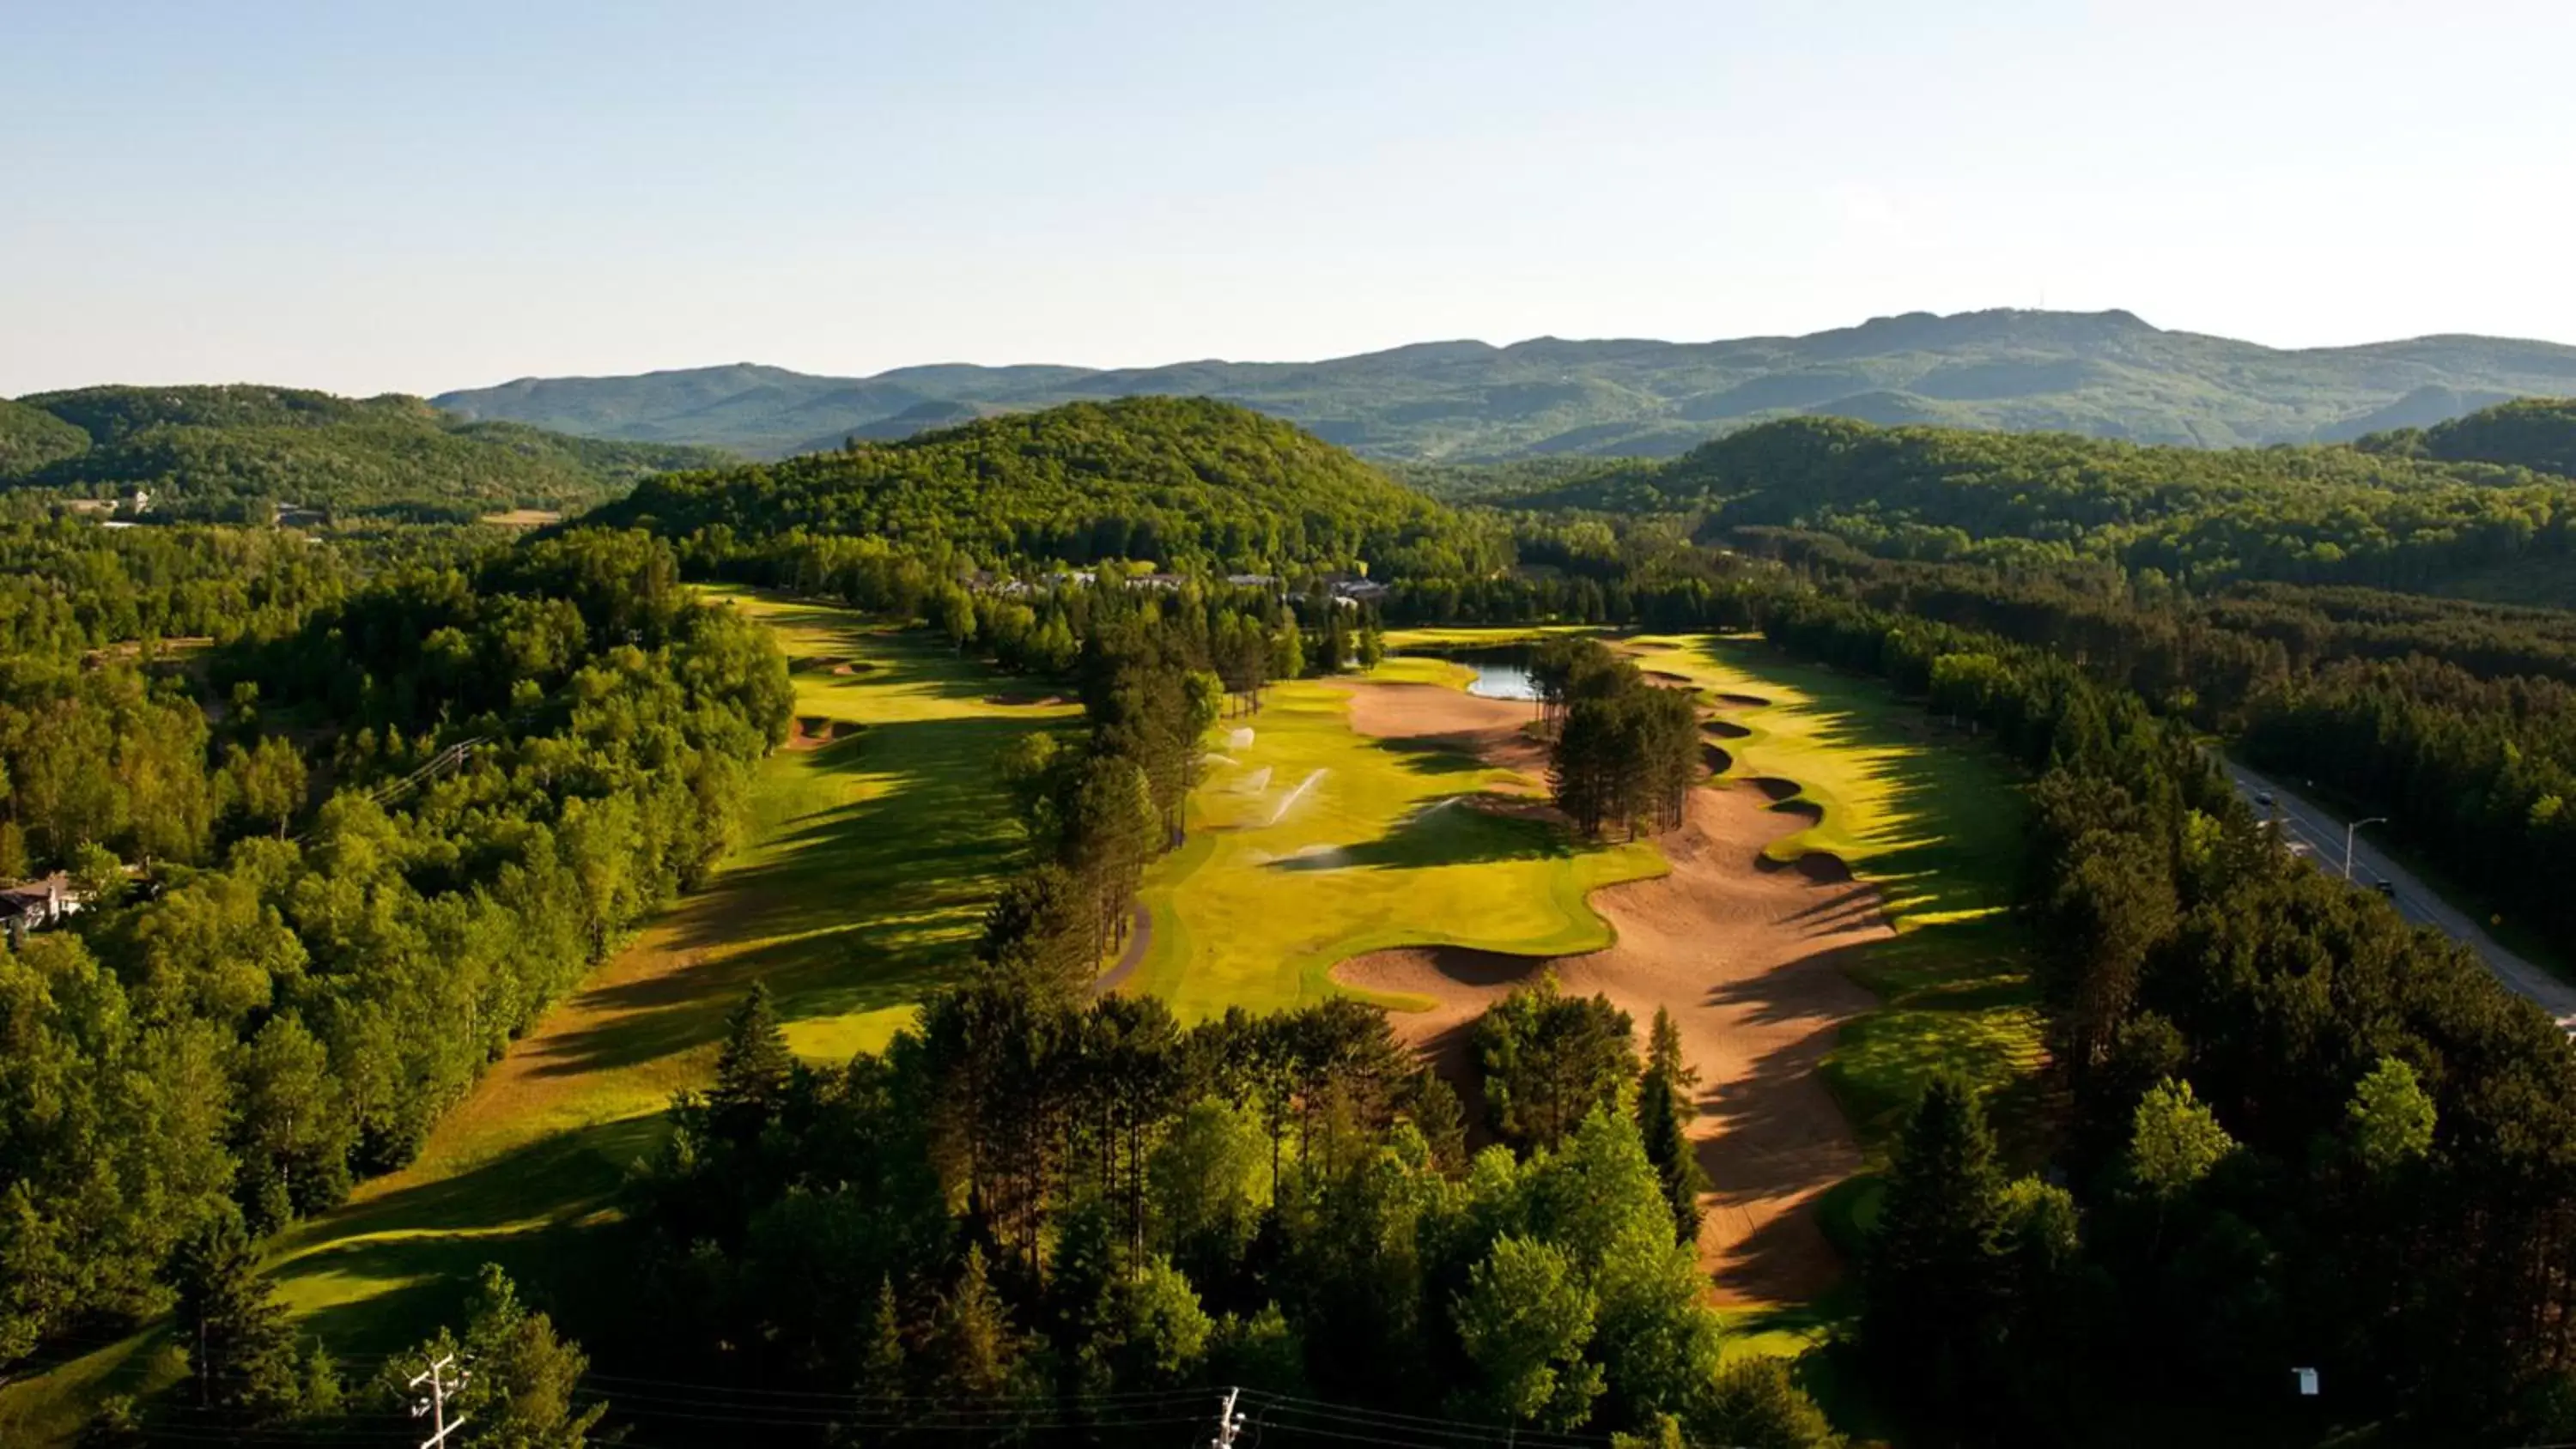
(1923,812)
(865,869)
(1311,842)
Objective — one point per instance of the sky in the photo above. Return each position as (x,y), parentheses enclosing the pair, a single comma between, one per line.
(372,197)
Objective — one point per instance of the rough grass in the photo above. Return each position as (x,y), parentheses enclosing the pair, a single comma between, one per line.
(1350,844)
(865,867)
(1923,812)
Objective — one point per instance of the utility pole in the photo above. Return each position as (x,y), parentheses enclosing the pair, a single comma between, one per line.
(2347,840)
(1228,1422)
(436,1404)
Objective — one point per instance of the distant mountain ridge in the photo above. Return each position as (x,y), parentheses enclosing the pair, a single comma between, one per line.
(2104,374)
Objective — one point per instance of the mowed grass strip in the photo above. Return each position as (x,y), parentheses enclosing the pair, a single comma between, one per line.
(1310,843)
(1924,812)
(874,844)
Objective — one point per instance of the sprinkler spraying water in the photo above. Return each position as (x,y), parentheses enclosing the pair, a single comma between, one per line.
(1296,795)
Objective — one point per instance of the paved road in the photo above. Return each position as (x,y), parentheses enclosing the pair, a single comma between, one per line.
(2320,833)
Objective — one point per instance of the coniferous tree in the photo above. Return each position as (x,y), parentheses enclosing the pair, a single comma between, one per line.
(974,1350)
(241,1353)
(752,1070)
(1930,1273)
(882,1360)
(1666,1107)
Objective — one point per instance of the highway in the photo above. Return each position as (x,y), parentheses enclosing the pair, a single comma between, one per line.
(2319,835)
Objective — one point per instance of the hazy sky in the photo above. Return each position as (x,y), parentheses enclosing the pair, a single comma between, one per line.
(366,196)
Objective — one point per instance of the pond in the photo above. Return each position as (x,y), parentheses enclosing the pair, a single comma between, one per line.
(1502,672)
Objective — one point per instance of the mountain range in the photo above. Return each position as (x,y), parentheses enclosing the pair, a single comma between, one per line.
(2103,374)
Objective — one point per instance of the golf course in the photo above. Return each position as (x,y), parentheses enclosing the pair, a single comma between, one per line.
(1825,927)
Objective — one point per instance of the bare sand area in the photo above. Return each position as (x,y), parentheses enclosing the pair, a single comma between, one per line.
(1743,952)
(1496,729)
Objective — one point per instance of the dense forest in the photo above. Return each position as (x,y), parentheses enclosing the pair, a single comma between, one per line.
(2534,432)
(2200,518)
(330,869)
(236,453)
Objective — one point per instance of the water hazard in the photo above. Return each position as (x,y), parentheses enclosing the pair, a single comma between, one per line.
(1502,672)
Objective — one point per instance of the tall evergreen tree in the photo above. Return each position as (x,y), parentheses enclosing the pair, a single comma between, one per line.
(1666,1107)
(752,1071)
(1931,1268)
(241,1353)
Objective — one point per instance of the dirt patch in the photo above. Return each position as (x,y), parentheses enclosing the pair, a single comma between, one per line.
(1744,701)
(1749,961)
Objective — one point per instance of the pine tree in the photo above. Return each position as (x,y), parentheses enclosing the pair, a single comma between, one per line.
(1932,1264)
(881,1363)
(1665,1111)
(234,1330)
(1437,1115)
(752,1071)
(974,1349)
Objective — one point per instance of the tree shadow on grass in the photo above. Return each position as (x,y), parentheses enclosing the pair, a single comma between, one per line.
(1434,754)
(854,908)
(1448,831)
(417,1247)
(1950,820)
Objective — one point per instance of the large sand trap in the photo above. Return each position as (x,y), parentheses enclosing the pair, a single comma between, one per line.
(1497,729)
(1746,959)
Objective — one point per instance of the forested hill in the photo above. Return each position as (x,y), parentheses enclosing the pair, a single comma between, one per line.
(2537,433)
(2103,374)
(1184,482)
(2390,519)
(232,452)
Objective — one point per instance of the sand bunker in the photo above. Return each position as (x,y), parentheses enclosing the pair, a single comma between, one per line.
(1744,701)
(1747,957)
(1240,739)
(1496,729)
(814,731)
(1725,729)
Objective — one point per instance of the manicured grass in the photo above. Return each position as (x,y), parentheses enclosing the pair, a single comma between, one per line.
(866,866)
(1478,636)
(1925,813)
(1312,843)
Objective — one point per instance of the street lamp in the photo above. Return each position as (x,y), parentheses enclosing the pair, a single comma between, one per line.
(2347,840)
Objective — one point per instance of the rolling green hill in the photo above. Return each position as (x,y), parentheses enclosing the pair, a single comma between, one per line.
(233,451)
(2536,433)
(1183,481)
(2384,516)
(2103,374)
(31,437)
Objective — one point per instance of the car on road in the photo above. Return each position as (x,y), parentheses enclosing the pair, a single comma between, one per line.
(2386,888)
(2264,800)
